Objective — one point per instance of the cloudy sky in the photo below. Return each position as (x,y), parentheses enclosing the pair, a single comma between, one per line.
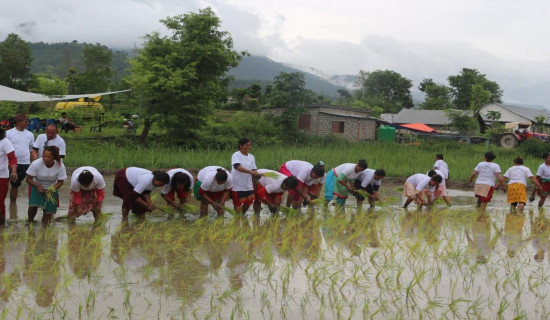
(504,39)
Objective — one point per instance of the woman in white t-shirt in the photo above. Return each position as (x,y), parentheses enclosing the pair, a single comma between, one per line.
(543,177)
(339,181)
(212,186)
(487,171)
(180,185)
(243,168)
(270,190)
(87,193)
(517,177)
(307,175)
(8,170)
(45,176)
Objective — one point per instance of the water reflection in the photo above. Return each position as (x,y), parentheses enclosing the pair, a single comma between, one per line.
(479,238)
(540,232)
(512,234)
(84,246)
(12,249)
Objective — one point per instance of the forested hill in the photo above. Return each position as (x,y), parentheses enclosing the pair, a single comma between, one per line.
(58,58)
(262,70)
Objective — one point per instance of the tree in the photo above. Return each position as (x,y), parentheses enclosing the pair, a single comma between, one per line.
(344,95)
(438,97)
(479,98)
(50,85)
(461,87)
(15,62)
(98,72)
(539,123)
(386,89)
(179,77)
(461,120)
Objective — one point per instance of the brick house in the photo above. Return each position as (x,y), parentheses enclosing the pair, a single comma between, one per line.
(348,123)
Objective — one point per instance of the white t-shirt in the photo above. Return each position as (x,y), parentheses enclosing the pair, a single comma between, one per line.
(166,189)
(22,142)
(272,185)
(518,174)
(301,170)
(348,170)
(487,172)
(544,171)
(45,176)
(207,177)
(5,148)
(97,183)
(438,172)
(242,181)
(141,179)
(442,166)
(420,181)
(367,177)
(41,141)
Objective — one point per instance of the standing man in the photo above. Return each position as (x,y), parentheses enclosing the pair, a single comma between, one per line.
(50,138)
(22,141)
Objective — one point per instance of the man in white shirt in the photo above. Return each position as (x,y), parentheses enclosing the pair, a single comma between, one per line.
(22,141)
(50,138)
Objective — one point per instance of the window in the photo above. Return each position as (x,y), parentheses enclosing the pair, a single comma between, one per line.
(337,126)
(304,122)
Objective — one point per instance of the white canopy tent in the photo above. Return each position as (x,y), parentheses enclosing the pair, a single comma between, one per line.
(10,94)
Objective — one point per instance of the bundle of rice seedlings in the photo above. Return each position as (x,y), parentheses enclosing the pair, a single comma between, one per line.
(190,208)
(317,201)
(288,211)
(270,174)
(50,194)
(363,193)
(230,210)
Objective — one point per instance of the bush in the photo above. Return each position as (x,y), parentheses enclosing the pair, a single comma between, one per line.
(534,147)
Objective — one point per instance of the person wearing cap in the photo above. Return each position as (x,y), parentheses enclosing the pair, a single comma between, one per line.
(50,138)
(87,193)
(338,181)
(307,175)
(22,141)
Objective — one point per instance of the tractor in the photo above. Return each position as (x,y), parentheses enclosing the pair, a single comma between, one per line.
(519,132)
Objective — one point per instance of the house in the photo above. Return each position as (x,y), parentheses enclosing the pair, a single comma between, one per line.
(436,119)
(324,119)
(511,114)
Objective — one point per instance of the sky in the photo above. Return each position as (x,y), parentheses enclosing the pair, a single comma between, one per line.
(503,39)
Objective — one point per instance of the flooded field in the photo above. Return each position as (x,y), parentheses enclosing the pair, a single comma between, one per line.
(389,263)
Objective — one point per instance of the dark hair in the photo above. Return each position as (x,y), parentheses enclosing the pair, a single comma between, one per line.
(319,170)
(439,156)
(431,173)
(161,176)
(244,141)
(85,177)
(437,178)
(490,156)
(380,172)
(545,155)
(2,134)
(291,182)
(20,117)
(55,153)
(180,178)
(363,164)
(62,113)
(518,160)
(221,175)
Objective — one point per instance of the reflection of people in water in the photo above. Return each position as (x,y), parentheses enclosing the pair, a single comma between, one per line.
(512,234)
(84,245)
(12,249)
(540,232)
(41,267)
(479,240)
(125,245)
(236,260)
(299,238)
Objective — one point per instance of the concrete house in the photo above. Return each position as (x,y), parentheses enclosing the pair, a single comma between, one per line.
(323,119)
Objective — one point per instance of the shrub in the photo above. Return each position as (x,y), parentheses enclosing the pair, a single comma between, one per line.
(534,147)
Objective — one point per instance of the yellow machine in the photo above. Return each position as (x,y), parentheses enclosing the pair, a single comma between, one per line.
(87,106)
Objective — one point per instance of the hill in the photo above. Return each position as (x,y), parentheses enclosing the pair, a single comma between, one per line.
(262,70)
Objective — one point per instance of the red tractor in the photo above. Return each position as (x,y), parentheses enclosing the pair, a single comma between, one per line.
(519,133)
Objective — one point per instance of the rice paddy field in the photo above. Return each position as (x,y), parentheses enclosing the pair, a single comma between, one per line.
(388,263)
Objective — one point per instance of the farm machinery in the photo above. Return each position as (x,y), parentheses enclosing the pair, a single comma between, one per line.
(518,133)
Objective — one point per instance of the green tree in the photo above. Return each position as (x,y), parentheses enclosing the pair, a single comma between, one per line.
(15,62)
(385,89)
(98,72)
(461,120)
(438,97)
(179,77)
(539,123)
(462,85)
(479,98)
(50,85)
(344,95)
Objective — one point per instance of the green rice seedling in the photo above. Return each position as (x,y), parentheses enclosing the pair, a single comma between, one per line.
(269,174)
(50,194)
(231,210)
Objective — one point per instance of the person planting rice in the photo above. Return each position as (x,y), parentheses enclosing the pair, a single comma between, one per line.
(487,171)
(441,190)
(307,175)
(212,186)
(314,191)
(87,193)
(543,177)
(134,185)
(338,181)
(8,171)
(180,185)
(417,185)
(243,169)
(441,165)
(369,181)
(45,176)
(517,177)
(270,189)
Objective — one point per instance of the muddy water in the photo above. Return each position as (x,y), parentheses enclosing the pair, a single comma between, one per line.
(384,264)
